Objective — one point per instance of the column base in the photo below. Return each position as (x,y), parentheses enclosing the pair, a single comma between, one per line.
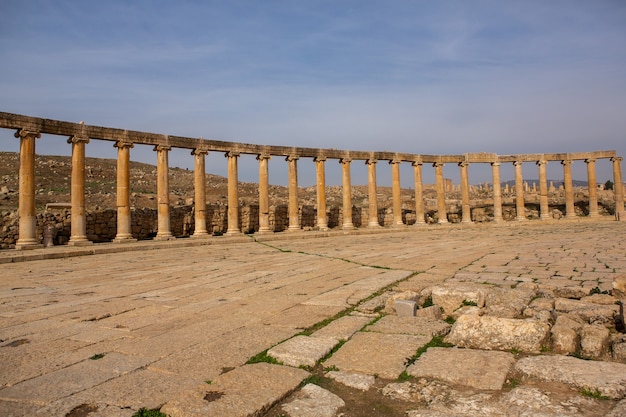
(466,222)
(200,235)
(442,221)
(28,244)
(164,237)
(124,239)
(79,242)
(235,232)
(294,229)
(348,226)
(397,225)
(520,219)
(620,216)
(375,225)
(264,231)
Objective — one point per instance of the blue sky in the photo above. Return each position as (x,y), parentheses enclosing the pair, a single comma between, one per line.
(431,77)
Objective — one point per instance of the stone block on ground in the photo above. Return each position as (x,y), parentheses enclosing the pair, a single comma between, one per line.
(432,312)
(343,328)
(618,347)
(478,369)
(589,312)
(594,341)
(313,401)
(352,380)
(390,303)
(249,390)
(619,286)
(451,298)
(607,378)
(493,333)
(565,337)
(302,350)
(410,325)
(405,308)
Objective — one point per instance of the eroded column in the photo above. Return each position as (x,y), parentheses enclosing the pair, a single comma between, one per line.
(294,222)
(123,193)
(347,193)
(441,193)
(199,183)
(320,186)
(78,235)
(396,193)
(372,193)
(233,198)
(419,192)
(27,238)
(543,191)
(593,187)
(570,211)
(497,192)
(618,188)
(519,192)
(264,198)
(163,194)
(466,216)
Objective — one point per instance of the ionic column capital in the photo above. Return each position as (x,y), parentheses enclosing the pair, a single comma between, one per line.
(542,162)
(122,144)
(232,154)
(78,139)
(617,159)
(463,164)
(395,161)
(566,162)
(320,158)
(263,156)
(371,161)
(590,160)
(417,163)
(200,151)
(517,163)
(291,158)
(438,164)
(24,133)
(495,164)
(160,148)
(345,160)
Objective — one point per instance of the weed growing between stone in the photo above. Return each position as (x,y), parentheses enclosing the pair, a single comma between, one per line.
(262,357)
(144,412)
(593,394)
(436,341)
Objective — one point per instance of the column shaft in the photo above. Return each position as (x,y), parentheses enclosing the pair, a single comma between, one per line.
(123,193)
(163,194)
(396,193)
(27,238)
(441,193)
(199,185)
(593,187)
(294,222)
(233,198)
(264,198)
(372,193)
(78,235)
(419,193)
(543,191)
(465,195)
(347,193)
(320,186)
(618,188)
(497,192)
(519,192)
(570,211)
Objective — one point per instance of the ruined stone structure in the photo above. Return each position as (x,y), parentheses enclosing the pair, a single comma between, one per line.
(29,129)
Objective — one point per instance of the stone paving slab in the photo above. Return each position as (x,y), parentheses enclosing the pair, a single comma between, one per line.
(343,328)
(313,401)
(474,368)
(410,325)
(242,392)
(302,350)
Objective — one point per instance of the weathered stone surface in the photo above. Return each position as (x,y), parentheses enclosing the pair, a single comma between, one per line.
(565,338)
(590,312)
(432,312)
(594,341)
(474,368)
(405,308)
(353,380)
(570,292)
(390,303)
(343,328)
(608,378)
(379,354)
(619,286)
(492,333)
(618,347)
(410,325)
(469,310)
(313,401)
(451,298)
(619,410)
(506,302)
(603,299)
(242,392)
(302,350)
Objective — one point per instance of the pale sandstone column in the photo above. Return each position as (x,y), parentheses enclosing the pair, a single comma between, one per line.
(543,191)
(294,223)
(593,187)
(419,189)
(320,186)
(264,198)
(396,193)
(465,195)
(199,182)
(163,194)
(347,193)
(519,192)
(78,235)
(497,192)
(233,198)
(441,193)
(123,193)
(570,211)
(27,238)
(372,193)
(618,188)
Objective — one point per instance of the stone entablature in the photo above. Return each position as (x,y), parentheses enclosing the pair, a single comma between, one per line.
(28,129)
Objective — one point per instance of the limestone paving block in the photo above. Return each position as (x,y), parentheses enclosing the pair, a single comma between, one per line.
(410,325)
(352,380)
(343,328)
(608,378)
(314,401)
(377,353)
(478,369)
(249,390)
(302,350)
(405,308)
(594,341)
(432,312)
(451,298)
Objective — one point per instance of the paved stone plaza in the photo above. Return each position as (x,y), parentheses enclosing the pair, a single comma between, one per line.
(148,324)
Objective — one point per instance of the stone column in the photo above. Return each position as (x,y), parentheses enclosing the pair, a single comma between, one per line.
(519,192)
(419,191)
(294,222)
(441,193)
(570,211)
(78,236)
(27,238)
(233,198)
(347,193)
(618,188)
(543,191)
(320,186)
(497,192)
(123,193)
(163,194)
(372,193)
(264,198)
(199,183)
(396,193)
(465,195)
(593,187)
